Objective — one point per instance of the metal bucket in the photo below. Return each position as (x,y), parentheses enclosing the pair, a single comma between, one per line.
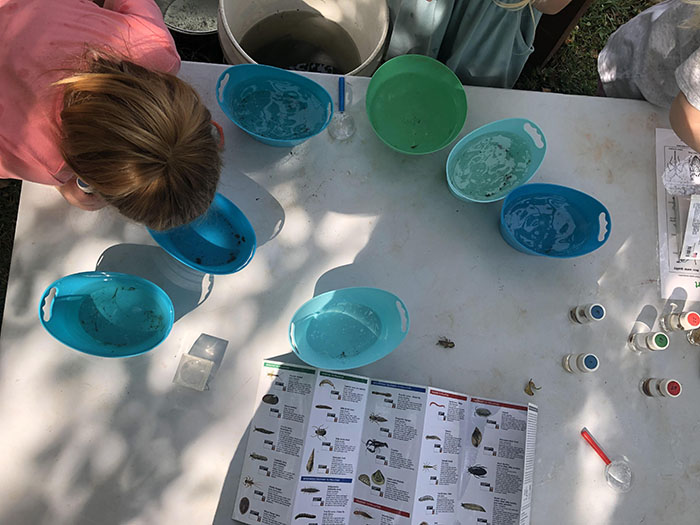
(367,23)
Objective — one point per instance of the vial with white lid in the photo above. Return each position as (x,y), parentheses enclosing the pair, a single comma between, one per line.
(587,313)
(582,363)
(680,321)
(642,341)
(655,387)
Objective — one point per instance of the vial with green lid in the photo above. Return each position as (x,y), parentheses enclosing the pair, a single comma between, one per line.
(642,341)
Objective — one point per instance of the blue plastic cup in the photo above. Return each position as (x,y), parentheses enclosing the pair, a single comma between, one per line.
(554,221)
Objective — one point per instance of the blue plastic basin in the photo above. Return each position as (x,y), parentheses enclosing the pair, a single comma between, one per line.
(348,328)
(492,160)
(554,221)
(275,106)
(106,314)
(221,241)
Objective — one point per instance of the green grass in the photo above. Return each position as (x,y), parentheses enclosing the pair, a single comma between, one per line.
(573,69)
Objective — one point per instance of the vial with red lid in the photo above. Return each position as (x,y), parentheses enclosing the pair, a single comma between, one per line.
(587,313)
(655,387)
(681,321)
(653,341)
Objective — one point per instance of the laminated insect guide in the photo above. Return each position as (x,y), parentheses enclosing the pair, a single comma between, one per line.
(329,448)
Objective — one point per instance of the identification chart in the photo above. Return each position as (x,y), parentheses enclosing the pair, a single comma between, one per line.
(329,448)
(677,178)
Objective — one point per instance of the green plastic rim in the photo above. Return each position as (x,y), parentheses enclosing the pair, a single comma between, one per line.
(416,105)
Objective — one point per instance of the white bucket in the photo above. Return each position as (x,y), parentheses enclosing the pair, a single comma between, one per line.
(366,21)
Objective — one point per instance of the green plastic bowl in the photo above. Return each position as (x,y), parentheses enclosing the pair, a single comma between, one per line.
(415,104)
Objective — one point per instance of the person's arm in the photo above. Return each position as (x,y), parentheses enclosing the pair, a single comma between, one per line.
(550,7)
(685,121)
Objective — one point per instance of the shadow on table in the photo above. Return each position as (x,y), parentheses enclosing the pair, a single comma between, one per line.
(187,288)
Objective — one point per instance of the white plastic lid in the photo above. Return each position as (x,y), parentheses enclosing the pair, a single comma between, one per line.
(657,341)
(671,387)
(689,320)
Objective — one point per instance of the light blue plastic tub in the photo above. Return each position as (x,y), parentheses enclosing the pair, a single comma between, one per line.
(106,314)
(275,106)
(348,328)
(492,160)
(221,241)
(554,221)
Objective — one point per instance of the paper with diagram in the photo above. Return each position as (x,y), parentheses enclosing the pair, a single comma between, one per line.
(677,178)
(330,448)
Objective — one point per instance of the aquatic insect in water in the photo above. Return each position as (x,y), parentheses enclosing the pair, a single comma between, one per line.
(258,457)
(476,437)
(427,497)
(378,477)
(433,403)
(244,505)
(363,514)
(326,382)
(385,394)
(483,412)
(530,387)
(319,432)
(364,478)
(270,399)
(324,407)
(310,463)
(431,436)
(377,418)
(310,490)
(372,445)
(263,430)
(445,343)
(474,507)
(304,515)
(478,471)
(427,466)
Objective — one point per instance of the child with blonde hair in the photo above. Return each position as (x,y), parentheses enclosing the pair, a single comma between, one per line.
(656,57)
(485,42)
(89,93)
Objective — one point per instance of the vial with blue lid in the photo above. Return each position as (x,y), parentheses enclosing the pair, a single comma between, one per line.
(580,363)
(587,313)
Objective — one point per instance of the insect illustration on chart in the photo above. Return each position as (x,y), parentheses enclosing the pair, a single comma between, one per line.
(433,437)
(304,515)
(434,404)
(474,507)
(258,457)
(364,478)
(372,445)
(324,407)
(319,432)
(385,394)
(310,462)
(482,412)
(445,343)
(478,471)
(428,466)
(263,430)
(363,514)
(326,382)
(270,399)
(476,437)
(249,482)
(427,497)
(378,477)
(310,490)
(244,505)
(271,374)
(376,418)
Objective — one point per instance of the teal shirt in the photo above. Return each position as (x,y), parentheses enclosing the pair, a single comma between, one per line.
(484,44)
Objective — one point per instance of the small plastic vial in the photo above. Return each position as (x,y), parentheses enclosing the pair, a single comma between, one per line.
(582,363)
(680,321)
(587,313)
(654,387)
(694,337)
(642,341)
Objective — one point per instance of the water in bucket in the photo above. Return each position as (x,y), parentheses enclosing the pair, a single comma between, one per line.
(302,41)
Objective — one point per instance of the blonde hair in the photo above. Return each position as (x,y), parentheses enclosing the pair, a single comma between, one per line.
(142,139)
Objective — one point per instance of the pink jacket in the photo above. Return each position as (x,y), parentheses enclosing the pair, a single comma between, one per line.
(42,41)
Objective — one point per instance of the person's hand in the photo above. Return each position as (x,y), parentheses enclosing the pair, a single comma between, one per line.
(78,198)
